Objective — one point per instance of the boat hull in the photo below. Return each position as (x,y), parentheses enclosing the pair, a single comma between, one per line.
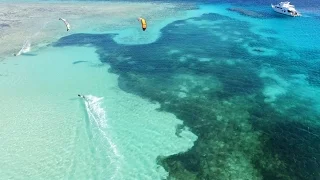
(283,11)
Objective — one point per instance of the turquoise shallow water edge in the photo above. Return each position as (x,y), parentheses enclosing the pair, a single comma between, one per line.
(218,94)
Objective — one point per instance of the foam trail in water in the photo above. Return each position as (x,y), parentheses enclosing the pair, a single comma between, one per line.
(27,44)
(25,48)
(97,115)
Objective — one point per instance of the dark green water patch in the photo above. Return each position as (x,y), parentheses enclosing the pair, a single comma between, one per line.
(246,12)
(294,136)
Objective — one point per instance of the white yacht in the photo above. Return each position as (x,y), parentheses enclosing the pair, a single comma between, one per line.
(285,8)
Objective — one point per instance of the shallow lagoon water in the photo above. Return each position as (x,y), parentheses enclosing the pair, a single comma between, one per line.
(54,132)
(248,96)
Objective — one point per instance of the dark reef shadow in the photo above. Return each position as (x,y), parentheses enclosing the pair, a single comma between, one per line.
(78,62)
(28,54)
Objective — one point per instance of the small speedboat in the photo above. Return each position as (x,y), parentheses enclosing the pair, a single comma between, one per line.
(285,8)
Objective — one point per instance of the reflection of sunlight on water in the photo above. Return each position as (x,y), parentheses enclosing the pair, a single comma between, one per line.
(97,115)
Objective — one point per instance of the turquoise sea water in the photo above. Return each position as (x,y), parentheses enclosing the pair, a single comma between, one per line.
(218,94)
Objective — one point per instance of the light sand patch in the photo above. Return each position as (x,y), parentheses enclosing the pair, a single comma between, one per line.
(275,84)
(296,86)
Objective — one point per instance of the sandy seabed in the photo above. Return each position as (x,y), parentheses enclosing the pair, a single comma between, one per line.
(38,22)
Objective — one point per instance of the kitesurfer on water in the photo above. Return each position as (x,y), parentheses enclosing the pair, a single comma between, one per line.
(82,96)
(25,48)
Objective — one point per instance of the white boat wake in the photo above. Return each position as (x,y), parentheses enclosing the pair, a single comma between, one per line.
(97,117)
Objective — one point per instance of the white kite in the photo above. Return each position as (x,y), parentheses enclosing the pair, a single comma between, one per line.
(66,23)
